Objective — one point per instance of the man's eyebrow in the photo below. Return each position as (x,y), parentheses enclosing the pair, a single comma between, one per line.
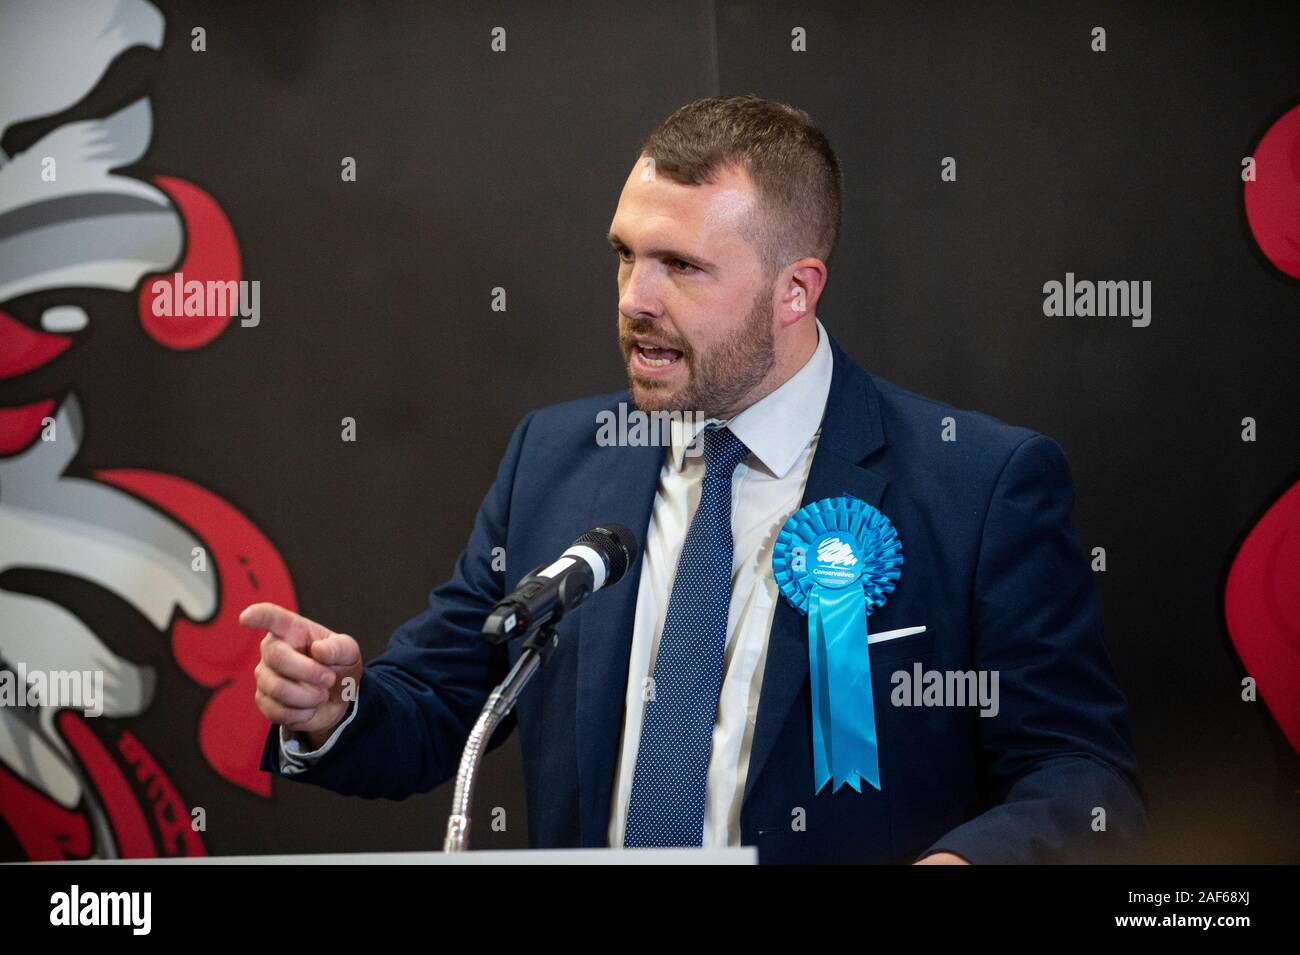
(615,241)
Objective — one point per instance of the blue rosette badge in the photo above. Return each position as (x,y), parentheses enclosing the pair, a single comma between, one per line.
(836,560)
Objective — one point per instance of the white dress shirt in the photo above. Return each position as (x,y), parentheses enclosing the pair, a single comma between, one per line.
(781,432)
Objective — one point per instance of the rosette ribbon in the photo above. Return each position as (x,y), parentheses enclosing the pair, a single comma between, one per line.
(836,561)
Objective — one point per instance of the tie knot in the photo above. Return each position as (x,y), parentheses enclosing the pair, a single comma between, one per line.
(722,451)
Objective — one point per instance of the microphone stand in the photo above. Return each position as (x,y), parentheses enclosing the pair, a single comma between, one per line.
(537,649)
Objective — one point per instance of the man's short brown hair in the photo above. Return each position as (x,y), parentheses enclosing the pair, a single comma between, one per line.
(800,188)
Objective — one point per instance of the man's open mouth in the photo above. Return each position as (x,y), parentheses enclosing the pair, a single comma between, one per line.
(657,357)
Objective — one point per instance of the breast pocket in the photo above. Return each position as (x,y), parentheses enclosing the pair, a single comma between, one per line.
(914,646)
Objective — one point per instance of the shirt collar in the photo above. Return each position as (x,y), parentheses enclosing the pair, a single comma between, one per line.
(777,427)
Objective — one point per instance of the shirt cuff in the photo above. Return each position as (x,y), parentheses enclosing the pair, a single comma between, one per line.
(294,759)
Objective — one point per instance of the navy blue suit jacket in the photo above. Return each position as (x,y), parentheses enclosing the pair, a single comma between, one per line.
(992,568)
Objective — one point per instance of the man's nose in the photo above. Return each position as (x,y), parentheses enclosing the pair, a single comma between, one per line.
(639,293)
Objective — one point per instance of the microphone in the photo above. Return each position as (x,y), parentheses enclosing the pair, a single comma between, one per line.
(597,559)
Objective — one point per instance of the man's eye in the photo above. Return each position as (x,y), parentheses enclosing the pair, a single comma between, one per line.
(677,265)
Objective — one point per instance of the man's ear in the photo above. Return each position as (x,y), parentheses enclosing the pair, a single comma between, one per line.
(802,289)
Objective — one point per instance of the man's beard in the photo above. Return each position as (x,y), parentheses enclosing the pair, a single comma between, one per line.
(717,380)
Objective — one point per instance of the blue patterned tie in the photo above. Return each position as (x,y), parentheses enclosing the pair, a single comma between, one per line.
(672,762)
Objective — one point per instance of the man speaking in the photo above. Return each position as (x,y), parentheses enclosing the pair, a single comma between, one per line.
(861,627)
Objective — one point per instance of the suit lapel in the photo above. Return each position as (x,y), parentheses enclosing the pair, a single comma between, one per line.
(625,481)
(851,430)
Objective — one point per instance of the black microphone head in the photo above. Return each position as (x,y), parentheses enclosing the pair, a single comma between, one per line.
(616,544)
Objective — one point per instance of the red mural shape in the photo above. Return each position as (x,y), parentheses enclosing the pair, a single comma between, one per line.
(1273,197)
(24,349)
(221,654)
(47,831)
(1261,604)
(211,255)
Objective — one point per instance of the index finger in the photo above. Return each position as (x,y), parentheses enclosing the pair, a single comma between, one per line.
(294,629)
